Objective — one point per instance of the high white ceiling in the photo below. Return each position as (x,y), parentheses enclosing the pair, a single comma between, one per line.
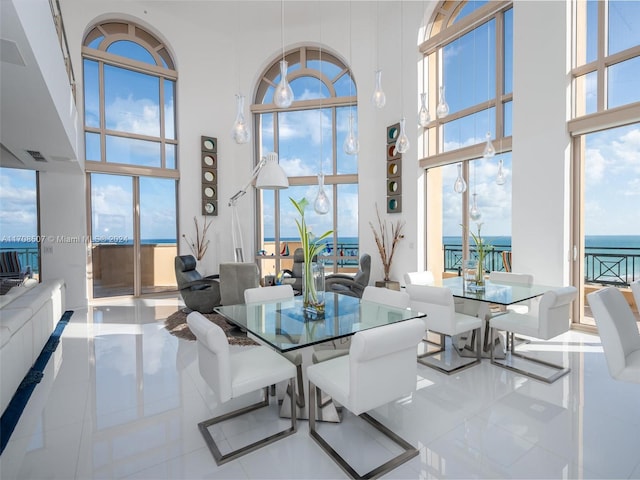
(37,110)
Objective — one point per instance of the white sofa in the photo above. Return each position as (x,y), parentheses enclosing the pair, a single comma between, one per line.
(28,316)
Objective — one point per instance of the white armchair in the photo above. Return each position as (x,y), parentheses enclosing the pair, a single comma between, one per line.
(232,375)
(379,369)
(553,319)
(439,305)
(618,331)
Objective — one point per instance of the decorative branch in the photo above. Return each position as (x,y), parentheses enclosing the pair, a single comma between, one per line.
(200,245)
(382,241)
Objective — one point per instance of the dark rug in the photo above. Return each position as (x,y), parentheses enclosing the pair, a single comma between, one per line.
(176,324)
(19,400)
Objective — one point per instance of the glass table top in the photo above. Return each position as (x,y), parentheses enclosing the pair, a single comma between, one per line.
(286,325)
(498,293)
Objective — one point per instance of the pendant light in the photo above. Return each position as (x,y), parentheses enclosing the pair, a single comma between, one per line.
(402,143)
(501,178)
(378,99)
(321,204)
(442,110)
(474,211)
(423,114)
(283,95)
(240,133)
(351,146)
(489,151)
(460,186)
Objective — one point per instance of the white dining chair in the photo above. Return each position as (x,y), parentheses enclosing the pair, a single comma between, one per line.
(374,295)
(635,290)
(231,375)
(553,318)
(379,369)
(424,277)
(273,294)
(517,279)
(618,331)
(442,318)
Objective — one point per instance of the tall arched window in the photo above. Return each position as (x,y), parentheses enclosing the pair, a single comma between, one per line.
(308,136)
(468,65)
(130,151)
(605,128)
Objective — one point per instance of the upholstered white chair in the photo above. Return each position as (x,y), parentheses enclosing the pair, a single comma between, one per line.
(379,295)
(273,294)
(419,278)
(231,375)
(553,318)
(514,278)
(379,369)
(635,289)
(618,331)
(442,318)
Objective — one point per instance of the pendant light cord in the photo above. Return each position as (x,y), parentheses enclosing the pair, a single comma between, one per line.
(282,26)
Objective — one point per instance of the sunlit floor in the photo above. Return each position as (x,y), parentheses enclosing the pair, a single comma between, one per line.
(121,398)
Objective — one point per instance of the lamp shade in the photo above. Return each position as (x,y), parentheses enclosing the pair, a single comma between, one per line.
(271,175)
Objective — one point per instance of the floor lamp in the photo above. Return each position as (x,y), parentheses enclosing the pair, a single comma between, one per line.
(268,175)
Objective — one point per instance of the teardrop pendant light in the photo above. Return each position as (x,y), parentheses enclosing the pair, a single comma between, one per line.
(283,95)
(351,146)
(240,133)
(459,186)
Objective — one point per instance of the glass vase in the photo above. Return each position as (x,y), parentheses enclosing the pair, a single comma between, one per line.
(469,274)
(313,287)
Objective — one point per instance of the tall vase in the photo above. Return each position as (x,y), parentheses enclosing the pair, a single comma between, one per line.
(313,286)
(480,273)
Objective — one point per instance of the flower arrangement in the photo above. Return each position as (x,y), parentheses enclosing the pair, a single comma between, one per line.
(387,245)
(311,247)
(201,244)
(482,248)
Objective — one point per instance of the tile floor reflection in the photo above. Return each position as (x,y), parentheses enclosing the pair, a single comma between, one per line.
(121,398)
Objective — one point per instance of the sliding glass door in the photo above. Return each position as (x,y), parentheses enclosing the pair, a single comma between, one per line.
(133,234)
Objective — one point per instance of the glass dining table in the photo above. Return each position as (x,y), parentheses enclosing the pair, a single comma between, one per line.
(286,326)
(492,300)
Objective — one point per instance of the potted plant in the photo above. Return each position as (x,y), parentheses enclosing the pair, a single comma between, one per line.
(312,272)
(482,248)
(387,239)
(201,244)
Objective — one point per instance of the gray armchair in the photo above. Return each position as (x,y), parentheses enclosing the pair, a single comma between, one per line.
(199,293)
(297,268)
(235,278)
(351,285)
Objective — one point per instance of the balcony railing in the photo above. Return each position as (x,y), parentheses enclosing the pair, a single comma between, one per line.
(28,256)
(611,265)
(617,266)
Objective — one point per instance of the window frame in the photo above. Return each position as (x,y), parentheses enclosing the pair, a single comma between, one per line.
(299,57)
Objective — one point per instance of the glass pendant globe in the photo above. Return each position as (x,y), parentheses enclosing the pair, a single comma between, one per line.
(442,110)
(351,146)
(240,133)
(423,114)
(474,212)
(378,99)
(501,179)
(489,151)
(402,143)
(283,95)
(460,186)
(321,205)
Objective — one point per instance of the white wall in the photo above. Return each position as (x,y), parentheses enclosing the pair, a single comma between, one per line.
(63,227)
(541,144)
(222,47)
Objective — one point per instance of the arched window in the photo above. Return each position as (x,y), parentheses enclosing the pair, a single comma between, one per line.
(130,153)
(129,97)
(308,136)
(468,64)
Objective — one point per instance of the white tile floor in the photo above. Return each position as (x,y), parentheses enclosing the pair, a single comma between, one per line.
(121,398)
